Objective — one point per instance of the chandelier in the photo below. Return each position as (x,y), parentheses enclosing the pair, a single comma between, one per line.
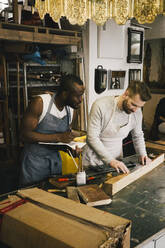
(79,11)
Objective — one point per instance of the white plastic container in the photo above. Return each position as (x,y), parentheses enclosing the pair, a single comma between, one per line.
(81,178)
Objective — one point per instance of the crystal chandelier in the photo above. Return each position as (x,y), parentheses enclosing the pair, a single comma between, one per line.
(79,11)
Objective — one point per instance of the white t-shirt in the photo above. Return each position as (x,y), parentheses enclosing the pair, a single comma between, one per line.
(54,110)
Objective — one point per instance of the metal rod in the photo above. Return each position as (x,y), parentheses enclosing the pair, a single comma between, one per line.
(73,159)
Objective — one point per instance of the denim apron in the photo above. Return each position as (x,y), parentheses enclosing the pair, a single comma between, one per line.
(40,161)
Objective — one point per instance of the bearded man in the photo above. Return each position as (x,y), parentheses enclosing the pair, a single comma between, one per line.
(110,121)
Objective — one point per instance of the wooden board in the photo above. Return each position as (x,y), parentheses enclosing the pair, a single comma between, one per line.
(157,145)
(115,184)
(72,193)
(93,195)
(19,32)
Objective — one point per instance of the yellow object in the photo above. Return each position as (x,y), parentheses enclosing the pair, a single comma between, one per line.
(80,139)
(68,165)
(78,12)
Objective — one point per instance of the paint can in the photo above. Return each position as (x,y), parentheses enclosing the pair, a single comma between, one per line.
(81,178)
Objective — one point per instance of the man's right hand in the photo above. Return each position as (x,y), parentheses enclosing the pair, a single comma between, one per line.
(65,137)
(119,166)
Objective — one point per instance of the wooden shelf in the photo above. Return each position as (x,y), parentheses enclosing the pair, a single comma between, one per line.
(36,34)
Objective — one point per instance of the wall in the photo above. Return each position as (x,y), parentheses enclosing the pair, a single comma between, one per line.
(149,109)
(106,46)
(157,30)
(155,37)
(156,58)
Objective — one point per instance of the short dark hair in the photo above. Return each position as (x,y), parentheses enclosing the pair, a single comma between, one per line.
(67,82)
(141,88)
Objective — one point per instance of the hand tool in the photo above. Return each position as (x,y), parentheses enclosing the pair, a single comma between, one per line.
(98,170)
(65,179)
(73,159)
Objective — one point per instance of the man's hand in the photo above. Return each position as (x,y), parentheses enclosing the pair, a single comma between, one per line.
(119,166)
(144,160)
(76,152)
(65,137)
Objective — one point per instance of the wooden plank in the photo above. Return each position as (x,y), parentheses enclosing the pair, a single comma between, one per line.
(18,95)
(156,146)
(93,195)
(72,193)
(15,10)
(26,36)
(6,110)
(115,184)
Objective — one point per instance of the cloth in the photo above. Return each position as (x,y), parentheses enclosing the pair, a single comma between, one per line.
(41,161)
(107,127)
(54,110)
(161,128)
(160,111)
(158,124)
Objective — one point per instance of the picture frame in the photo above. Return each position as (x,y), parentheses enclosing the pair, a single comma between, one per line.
(116,79)
(135,46)
(134,75)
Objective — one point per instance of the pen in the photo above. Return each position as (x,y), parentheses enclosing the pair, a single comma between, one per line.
(65,179)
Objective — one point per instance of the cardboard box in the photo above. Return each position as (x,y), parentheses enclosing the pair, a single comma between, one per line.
(51,221)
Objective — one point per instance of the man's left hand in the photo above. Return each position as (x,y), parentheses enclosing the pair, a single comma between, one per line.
(145,160)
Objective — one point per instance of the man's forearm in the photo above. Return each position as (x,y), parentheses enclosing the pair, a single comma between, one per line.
(139,144)
(35,137)
(97,145)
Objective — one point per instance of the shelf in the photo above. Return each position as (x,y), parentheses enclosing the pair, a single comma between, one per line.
(34,85)
(36,34)
(38,65)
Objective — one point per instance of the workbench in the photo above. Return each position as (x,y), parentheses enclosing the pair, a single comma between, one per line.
(143,202)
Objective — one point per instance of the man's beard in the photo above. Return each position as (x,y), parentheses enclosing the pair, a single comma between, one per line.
(72,104)
(125,107)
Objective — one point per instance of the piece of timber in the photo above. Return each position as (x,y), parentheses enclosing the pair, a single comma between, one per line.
(156,145)
(19,32)
(115,184)
(72,193)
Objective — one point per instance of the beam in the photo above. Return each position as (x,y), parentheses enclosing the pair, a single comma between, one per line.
(38,34)
(115,184)
(159,145)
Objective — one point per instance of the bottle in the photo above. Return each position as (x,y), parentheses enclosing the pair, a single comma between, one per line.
(115,83)
(81,178)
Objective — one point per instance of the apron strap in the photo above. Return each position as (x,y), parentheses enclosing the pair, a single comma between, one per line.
(68,115)
(111,116)
(51,103)
(66,108)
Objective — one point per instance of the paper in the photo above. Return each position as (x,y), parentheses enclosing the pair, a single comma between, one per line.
(72,144)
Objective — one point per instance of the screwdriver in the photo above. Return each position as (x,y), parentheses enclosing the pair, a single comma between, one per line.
(65,179)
